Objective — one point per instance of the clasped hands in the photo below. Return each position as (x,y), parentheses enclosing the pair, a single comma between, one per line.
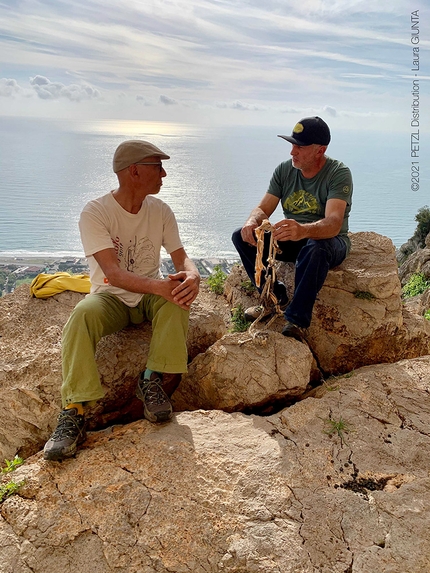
(182,288)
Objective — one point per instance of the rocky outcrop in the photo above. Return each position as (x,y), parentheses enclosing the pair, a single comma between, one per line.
(30,365)
(358,319)
(336,483)
(417,262)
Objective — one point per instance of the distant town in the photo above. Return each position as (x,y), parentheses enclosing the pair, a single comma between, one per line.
(16,271)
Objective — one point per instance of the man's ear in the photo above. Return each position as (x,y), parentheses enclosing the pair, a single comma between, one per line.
(133,170)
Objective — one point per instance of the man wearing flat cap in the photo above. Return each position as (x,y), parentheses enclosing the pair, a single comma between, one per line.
(122,233)
(315,192)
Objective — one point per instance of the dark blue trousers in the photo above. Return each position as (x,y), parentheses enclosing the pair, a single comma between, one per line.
(313,259)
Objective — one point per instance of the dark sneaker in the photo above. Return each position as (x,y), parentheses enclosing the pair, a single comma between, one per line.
(294,331)
(69,433)
(156,404)
(254,312)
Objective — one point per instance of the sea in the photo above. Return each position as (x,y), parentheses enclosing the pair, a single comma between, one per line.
(216,175)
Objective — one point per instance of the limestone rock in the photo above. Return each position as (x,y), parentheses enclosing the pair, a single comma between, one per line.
(238,289)
(358,317)
(209,318)
(30,365)
(239,372)
(336,483)
(417,262)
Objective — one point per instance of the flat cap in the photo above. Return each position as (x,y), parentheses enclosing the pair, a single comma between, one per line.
(133,151)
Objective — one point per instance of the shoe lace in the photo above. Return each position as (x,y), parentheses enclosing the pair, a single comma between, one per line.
(153,392)
(68,426)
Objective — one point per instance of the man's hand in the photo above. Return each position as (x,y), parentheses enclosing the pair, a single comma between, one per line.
(266,207)
(248,232)
(185,288)
(288,230)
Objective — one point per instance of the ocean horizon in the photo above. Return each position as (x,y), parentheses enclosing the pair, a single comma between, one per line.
(215,177)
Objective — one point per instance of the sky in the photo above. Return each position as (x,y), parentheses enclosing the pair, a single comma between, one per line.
(256,62)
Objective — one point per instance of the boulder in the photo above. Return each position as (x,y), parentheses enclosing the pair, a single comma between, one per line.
(336,483)
(359,318)
(244,372)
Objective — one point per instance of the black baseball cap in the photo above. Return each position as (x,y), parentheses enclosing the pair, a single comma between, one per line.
(309,130)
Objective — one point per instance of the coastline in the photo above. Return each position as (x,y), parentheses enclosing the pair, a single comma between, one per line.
(51,264)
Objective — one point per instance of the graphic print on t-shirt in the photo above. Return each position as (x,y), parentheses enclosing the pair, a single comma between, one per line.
(138,254)
(301,202)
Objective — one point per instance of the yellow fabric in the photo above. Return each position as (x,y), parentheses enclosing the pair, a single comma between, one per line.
(44,286)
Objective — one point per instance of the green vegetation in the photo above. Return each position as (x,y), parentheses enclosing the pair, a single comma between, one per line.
(338,427)
(423,227)
(25,281)
(247,286)
(240,324)
(216,280)
(363,294)
(417,284)
(427,314)
(9,488)
(3,277)
(11,465)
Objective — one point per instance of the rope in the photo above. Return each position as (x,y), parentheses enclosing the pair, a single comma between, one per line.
(267,297)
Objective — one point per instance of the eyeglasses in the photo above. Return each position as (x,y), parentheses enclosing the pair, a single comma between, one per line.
(157,163)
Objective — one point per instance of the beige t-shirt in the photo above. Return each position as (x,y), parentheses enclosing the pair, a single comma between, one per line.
(136,238)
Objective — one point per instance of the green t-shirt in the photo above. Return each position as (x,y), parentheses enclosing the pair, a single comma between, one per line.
(304,200)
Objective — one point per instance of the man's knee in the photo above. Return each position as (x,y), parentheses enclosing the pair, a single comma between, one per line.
(237,237)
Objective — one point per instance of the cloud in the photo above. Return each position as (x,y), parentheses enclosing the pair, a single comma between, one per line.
(278,56)
(10,88)
(240,106)
(330,111)
(167,100)
(47,90)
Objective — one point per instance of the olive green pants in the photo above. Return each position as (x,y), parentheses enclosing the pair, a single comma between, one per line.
(100,314)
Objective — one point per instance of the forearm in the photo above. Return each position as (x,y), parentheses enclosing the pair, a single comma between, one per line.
(131,282)
(187,266)
(323,229)
(291,230)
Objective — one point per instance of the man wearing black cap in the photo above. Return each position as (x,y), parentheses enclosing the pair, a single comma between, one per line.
(122,233)
(315,193)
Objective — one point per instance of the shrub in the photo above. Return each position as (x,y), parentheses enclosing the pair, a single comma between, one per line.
(248,287)
(417,284)
(423,227)
(217,279)
(240,324)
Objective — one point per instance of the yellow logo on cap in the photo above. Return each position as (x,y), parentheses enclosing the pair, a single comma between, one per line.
(346,189)
(298,128)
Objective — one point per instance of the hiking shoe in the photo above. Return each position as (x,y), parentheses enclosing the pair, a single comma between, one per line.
(294,331)
(69,433)
(156,404)
(253,312)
